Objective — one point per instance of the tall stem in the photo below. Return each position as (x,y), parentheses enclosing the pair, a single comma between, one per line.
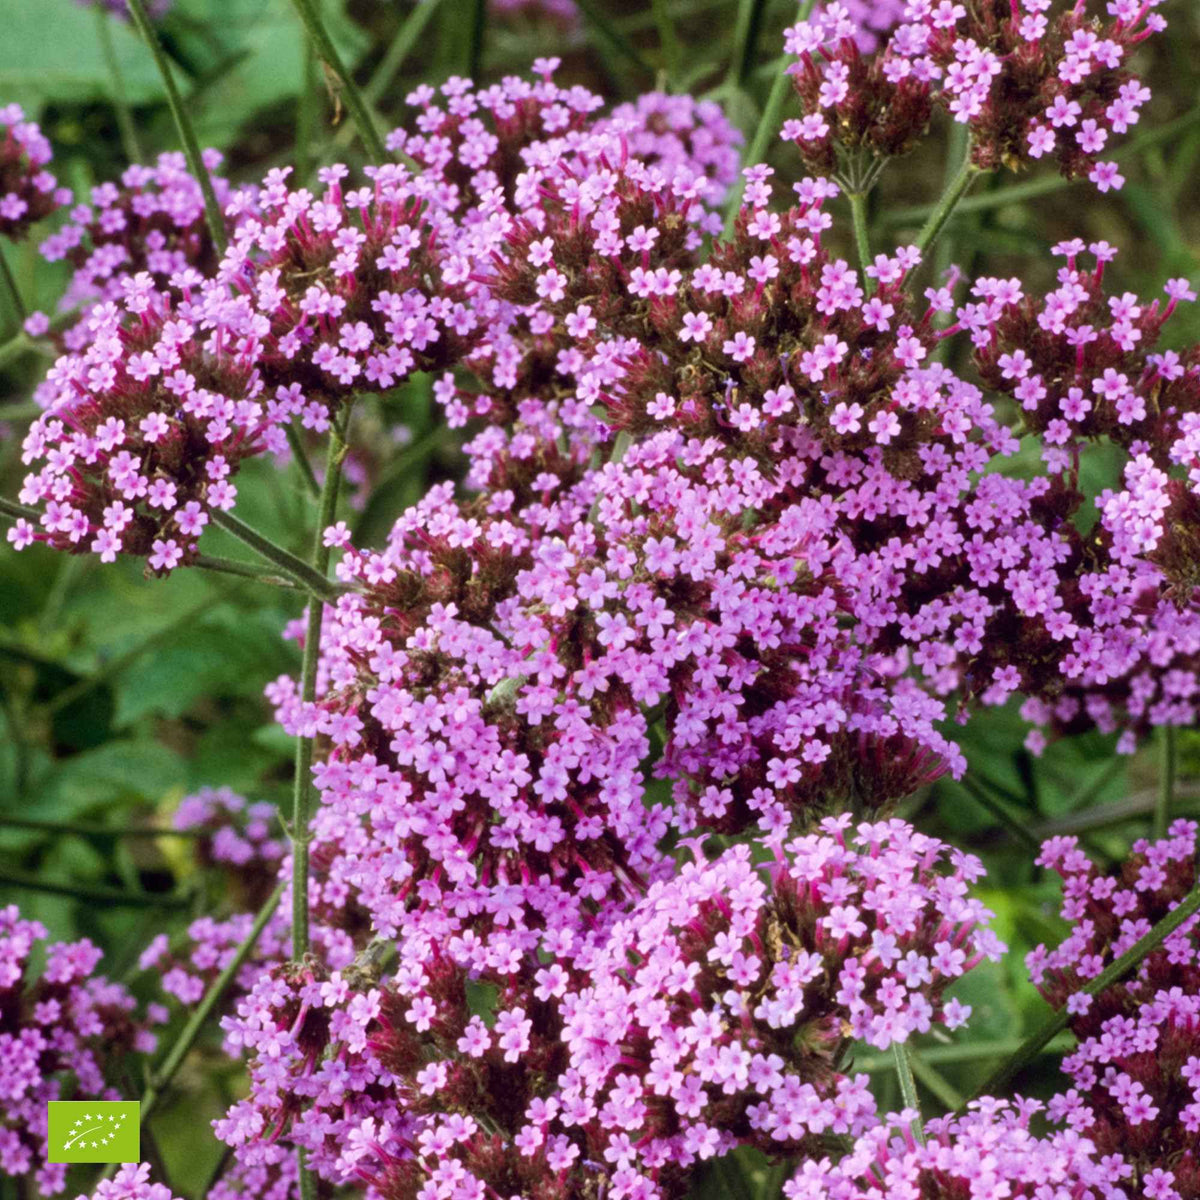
(360,114)
(13,510)
(767,127)
(668,40)
(183,123)
(1166,781)
(314,580)
(862,239)
(908,1089)
(160,1079)
(956,189)
(302,795)
(402,45)
(120,98)
(1116,971)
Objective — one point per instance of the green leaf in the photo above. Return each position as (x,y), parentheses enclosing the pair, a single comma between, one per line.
(129,771)
(51,52)
(231,654)
(271,70)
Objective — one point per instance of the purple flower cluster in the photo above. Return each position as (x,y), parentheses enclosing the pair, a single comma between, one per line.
(1135,1073)
(1029,79)
(131,1182)
(986,1153)
(714,1012)
(173,384)
(59,1032)
(28,192)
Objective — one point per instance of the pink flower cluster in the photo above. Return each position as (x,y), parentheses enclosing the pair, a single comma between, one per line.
(131,1182)
(59,1033)
(1029,79)
(319,298)
(987,1153)
(1135,1073)
(244,840)
(28,192)
(713,1013)
(151,222)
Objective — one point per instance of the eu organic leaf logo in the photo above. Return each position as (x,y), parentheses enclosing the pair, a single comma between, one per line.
(94,1131)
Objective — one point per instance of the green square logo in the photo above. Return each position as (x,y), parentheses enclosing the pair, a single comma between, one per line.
(94,1131)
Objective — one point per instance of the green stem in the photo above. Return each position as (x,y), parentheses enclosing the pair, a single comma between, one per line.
(360,114)
(768,126)
(1001,813)
(668,39)
(120,98)
(877,1064)
(306,122)
(22,343)
(13,510)
(78,829)
(402,45)
(302,795)
(862,239)
(92,893)
(183,123)
(908,1089)
(1166,781)
(314,580)
(1033,188)
(474,40)
(1112,974)
(233,566)
(935,1082)
(10,286)
(161,1078)
(955,190)
(596,17)
(745,38)
(301,457)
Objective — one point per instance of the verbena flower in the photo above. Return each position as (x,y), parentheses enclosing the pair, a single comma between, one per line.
(1135,1073)
(986,1153)
(59,1033)
(1029,79)
(131,1182)
(28,192)
(713,1013)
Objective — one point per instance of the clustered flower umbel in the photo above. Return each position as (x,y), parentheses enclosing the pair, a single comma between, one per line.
(1029,78)
(1135,1073)
(714,1013)
(152,221)
(732,517)
(59,1033)
(987,1153)
(28,192)
(319,298)
(243,840)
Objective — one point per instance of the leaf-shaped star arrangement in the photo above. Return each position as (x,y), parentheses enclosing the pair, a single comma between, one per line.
(107,1127)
